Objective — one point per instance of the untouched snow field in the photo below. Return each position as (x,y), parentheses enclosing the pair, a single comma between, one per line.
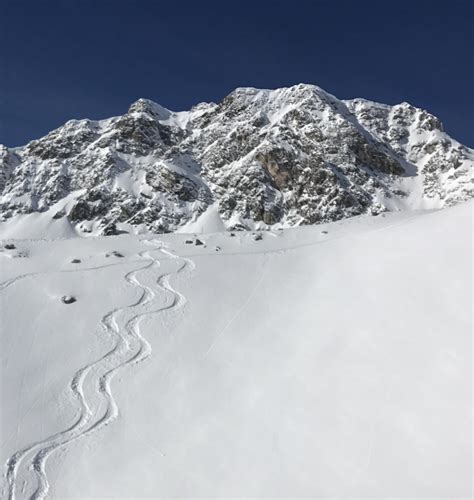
(326,361)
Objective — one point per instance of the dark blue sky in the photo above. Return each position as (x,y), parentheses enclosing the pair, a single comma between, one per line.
(79,58)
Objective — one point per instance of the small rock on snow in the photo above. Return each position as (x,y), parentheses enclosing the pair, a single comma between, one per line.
(59,215)
(68,299)
(114,253)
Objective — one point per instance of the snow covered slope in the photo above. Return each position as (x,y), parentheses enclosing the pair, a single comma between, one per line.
(263,158)
(318,361)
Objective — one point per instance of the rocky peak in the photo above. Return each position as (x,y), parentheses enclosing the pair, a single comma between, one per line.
(151,108)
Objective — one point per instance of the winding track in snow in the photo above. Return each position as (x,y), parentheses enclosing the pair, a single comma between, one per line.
(12,281)
(90,386)
(130,347)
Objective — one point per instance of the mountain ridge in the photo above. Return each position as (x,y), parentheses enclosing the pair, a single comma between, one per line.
(264,158)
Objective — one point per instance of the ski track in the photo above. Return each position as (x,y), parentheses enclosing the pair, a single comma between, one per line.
(29,464)
(7,283)
(130,348)
(239,311)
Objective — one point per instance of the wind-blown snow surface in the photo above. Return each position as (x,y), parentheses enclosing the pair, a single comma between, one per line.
(330,361)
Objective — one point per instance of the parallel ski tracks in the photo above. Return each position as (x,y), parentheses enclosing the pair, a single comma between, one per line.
(90,387)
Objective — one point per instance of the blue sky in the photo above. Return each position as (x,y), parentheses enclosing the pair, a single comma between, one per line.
(80,58)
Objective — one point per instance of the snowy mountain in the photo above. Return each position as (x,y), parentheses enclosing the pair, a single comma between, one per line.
(322,361)
(259,158)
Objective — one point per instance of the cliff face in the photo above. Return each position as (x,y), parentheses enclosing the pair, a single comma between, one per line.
(289,156)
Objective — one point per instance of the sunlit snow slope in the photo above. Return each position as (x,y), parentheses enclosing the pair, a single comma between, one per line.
(330,361)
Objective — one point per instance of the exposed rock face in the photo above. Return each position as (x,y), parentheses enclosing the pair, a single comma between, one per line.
(296,155)
(418,137)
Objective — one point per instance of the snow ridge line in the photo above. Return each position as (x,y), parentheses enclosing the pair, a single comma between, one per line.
(130,348)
